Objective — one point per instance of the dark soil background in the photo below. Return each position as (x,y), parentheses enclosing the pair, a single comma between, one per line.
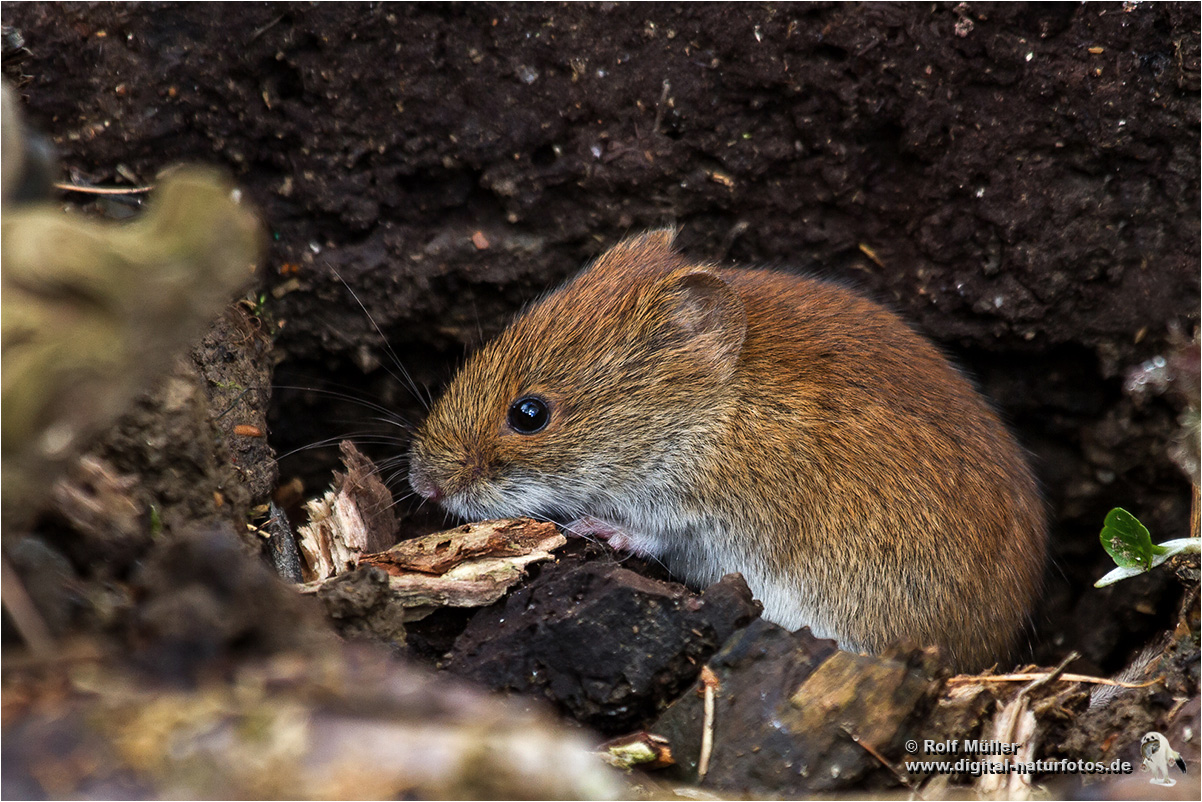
(1021,181)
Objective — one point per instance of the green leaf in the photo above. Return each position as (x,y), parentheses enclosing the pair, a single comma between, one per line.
(1127,541)
(1167,549)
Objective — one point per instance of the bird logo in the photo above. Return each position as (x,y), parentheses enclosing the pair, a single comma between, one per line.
(1158,755)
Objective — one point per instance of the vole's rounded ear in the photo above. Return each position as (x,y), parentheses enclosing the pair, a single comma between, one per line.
(695,313)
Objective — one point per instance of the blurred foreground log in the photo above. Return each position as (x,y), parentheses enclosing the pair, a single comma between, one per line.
(349,724)
(93,310)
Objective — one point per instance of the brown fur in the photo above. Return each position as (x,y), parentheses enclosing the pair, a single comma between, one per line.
(747,420)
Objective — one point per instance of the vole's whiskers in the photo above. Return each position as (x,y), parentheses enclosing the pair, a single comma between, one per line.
(398,371)
(392,417)
(408,496)
(359,438)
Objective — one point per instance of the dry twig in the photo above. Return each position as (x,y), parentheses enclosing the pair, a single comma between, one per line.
(104,190)
(867,747)
(1050,676)
(709,686)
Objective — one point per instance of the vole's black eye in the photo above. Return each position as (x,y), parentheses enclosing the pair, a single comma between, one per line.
(529,415)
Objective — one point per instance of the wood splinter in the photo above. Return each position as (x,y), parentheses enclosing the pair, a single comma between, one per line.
(709,686)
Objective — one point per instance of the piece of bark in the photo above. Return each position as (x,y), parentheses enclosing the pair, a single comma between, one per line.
(354,518)
(281,545)
(478,563)
(440,552)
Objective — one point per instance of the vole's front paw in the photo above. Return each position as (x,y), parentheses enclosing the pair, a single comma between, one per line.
(617,537)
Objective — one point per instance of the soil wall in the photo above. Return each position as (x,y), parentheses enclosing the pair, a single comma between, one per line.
(1019,180)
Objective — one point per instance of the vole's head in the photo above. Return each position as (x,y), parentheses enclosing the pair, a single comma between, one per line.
(608,385)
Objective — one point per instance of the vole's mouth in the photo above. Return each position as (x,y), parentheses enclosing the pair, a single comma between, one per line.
(530,501)
(422,483)
(472,510)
